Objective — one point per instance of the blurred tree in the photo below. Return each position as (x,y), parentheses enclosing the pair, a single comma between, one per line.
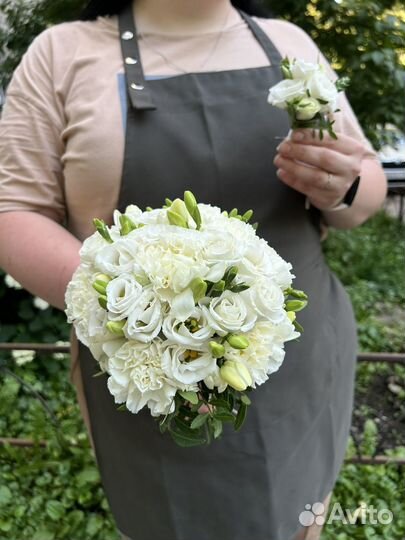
(363,39)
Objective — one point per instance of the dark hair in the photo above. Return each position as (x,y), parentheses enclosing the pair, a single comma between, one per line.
(97,8)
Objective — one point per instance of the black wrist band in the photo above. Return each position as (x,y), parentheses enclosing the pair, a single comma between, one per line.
(351,192)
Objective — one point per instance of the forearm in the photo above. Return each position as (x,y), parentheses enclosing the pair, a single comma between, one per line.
(38,253)
(369,198)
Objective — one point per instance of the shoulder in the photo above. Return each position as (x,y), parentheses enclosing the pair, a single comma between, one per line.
(59,43)
(289,39)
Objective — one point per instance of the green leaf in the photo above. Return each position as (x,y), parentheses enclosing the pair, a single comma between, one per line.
(224,415)
(218,426)
(5,496)
(186,440)
(88,476)
(199,420)
(192,397)
(241,416)
(44,534)
(55,510)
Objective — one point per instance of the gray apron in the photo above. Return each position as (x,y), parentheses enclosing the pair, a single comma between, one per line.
(215,134)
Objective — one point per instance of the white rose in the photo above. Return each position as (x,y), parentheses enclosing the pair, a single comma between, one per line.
(90,247)
(228,313)
(285,91)
(267,299)
(187,367)
(307,108)
(145,319)
(192,333)
(123,293)
(321,87)
(137,378)
(118,258)
(303,70)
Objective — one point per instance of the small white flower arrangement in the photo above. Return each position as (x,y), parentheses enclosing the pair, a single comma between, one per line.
(182,307)
(308,95)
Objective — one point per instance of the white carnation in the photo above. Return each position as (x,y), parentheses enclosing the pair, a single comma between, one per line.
(137,378)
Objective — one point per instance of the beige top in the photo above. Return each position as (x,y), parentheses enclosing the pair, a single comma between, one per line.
(62,132)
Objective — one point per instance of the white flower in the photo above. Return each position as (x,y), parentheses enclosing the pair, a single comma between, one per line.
(22,357)
(303,70)
(307,108)
(123,293)
(214,379)
(265,353)
(137,378)
(39,303)
(11,282)
(91,247)
(187,367)
(81,300)
(228,313)
(192,332)
(61,355)
(321,87)
(145,319)
(267,299)
(285,91)
(119,257)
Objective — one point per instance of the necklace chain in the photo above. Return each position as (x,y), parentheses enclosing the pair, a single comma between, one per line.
(205,60)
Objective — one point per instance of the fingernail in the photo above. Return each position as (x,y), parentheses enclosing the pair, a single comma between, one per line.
(286,147)
(298,136)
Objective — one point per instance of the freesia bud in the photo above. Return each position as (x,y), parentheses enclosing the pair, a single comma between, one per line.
(237,341)
(102,229)
(178,213)
(199,288)
(295,305)
(217,350)
(190,201)
(291,315)
(307,108)
(116,327)
(236,375)
(100,283)
(102,300)
(127,225)
(247,215)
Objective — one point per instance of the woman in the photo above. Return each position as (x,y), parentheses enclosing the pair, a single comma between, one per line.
(78,138)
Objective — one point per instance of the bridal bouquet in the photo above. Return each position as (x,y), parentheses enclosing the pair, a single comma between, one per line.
(308,95)
(185,310)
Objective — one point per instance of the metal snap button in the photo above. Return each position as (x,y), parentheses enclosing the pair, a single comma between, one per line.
(127,35)
(131,61)
(135,86)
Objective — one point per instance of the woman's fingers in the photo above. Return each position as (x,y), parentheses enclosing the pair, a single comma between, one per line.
(321,157)
(343,144)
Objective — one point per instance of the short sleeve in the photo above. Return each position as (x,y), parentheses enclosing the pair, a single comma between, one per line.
(294,42)
(31,146)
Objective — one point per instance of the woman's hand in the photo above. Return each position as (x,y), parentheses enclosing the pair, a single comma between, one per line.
(323,170)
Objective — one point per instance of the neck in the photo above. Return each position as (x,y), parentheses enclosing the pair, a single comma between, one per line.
(182,17)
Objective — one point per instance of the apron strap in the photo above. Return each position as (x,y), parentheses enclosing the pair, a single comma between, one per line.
(138,91)
(267,45)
